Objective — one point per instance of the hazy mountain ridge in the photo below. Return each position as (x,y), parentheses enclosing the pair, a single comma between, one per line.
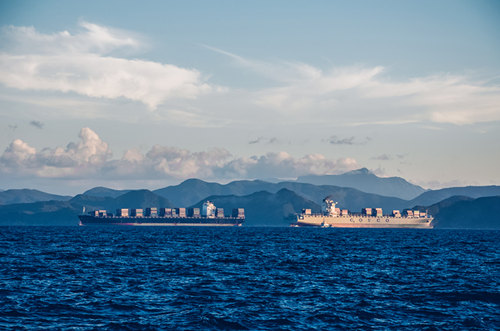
(263,208)
(265,203)
(366,181)
(28,195)
(434,196)
(103,192)
(192,190)
(66,212)
(467,213)
(348,198)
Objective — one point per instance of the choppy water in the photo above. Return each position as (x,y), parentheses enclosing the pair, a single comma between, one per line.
(248,278)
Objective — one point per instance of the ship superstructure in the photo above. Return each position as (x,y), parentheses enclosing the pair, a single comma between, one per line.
(209,215)
(331,216)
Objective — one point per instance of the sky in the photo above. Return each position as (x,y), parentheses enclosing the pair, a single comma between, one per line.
(128,94)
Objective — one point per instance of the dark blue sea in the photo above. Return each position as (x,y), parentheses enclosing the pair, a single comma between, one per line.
(248,278)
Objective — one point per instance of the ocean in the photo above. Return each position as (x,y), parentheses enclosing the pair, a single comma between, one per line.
(248,278)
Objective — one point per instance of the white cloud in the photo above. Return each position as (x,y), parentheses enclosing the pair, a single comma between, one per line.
(365,93)
(348,94)
(284,165)
(81,63)
(18,153)
(91,158)
(75,159)
(180,163)
(92,38)
(443,98)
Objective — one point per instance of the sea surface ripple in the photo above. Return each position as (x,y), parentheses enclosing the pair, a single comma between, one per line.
(248,278)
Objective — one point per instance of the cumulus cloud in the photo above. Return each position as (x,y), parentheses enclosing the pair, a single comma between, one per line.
(284,165)
(83,63)
(91,157)
(180,163)
(18,153)
(75,159)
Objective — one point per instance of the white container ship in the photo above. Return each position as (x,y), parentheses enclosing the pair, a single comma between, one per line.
(368,218)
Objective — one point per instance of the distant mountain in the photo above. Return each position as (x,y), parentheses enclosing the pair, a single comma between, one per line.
(467,213)
(194,190)
(132,199)
(366,181)
(264,208)
(265,203)
(434,196)
(105,192)
(27,195)
(435,208)
(66,212)
(261,208)
(141,199)
(348,198)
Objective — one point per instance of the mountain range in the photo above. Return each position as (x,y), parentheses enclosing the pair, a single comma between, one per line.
(26,195)
(461,212)
(103,192)
(66,212)
(265,209)
(366,181)
(431,197)
(265,203)
(191,191)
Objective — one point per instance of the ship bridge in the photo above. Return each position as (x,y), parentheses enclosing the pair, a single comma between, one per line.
(329,207)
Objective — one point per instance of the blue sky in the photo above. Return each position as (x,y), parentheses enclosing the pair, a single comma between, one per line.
(128,94)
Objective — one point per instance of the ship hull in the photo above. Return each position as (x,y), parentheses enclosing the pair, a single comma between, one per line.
(86,220)
(365,222)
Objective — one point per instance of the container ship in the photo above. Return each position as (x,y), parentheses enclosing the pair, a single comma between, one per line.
(334,217)
(209,215)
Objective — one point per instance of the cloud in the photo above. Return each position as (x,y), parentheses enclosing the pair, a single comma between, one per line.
(284,165)
(334,140)
(382,157)
(91,158)
(18,153)
(262,140)
(92,38)
(76,159)
(83,63)
(346,94)
(255,141)
(37,124)
(443,98)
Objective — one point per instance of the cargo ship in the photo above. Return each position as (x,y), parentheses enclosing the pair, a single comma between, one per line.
(334,217)
(209,215)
